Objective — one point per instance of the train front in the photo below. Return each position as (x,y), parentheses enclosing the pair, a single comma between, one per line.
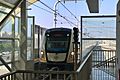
(57,47)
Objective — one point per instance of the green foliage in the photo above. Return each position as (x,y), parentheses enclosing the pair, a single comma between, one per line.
(1,48)
(5,46)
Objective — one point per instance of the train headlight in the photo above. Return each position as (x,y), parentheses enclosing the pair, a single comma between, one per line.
(42,54)
(72,53)
(71,57)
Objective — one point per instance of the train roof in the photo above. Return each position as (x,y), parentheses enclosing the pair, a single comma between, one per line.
(59,29)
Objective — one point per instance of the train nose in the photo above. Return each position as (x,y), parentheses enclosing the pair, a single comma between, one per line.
(59,57)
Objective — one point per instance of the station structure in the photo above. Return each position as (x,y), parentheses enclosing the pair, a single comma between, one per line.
(20,40)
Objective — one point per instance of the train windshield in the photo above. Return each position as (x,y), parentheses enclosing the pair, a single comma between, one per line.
(57,42)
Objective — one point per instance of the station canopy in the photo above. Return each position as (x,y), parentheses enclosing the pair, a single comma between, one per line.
(93,5)
(7,5)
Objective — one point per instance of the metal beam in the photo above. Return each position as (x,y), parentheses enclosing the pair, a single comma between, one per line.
(6,65)
(99,16)
(93,6)
(98,38)
(6,4)
(9,14)
(5,38)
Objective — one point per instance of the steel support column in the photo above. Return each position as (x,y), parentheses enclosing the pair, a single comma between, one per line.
(13,44)
(23,36)
(118,41)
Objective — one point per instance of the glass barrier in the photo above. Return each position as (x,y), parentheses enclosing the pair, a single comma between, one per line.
(102,27)
(30,38)
(6,49)
(100,30)
(2,11)
(6,31)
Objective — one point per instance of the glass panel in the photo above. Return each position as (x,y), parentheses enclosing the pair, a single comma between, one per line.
(36,37)
(6,49)
(2,11)
(7,6)
(57,46)
(6,31)
(41,36)
(36,54)
(2,16)
(57,41)
(17,27)
(17,50)
(7,36)
(99,27)
(87,45)
(30,39)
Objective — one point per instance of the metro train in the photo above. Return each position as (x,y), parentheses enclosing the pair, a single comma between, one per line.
(57,48)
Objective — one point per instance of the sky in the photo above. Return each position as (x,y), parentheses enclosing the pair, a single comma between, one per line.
(46,19)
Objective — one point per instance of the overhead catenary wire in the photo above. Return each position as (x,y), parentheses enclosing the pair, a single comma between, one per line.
(69,11)
(66,19)
(70,22)
(40,7)
(46,5)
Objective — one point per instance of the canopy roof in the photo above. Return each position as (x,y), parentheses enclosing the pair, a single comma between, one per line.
(7,5)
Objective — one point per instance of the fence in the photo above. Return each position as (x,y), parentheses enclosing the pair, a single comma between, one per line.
(104,64)
(82,73)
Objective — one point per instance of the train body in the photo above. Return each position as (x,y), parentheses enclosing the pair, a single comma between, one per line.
(57,48)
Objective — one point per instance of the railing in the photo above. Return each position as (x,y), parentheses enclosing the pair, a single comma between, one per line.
(104,64)
(82,73)
(38,75)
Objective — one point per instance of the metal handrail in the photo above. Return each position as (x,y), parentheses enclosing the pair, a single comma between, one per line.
(7,74)
(67,75)
(104,61)
(83,72)
(26,74)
